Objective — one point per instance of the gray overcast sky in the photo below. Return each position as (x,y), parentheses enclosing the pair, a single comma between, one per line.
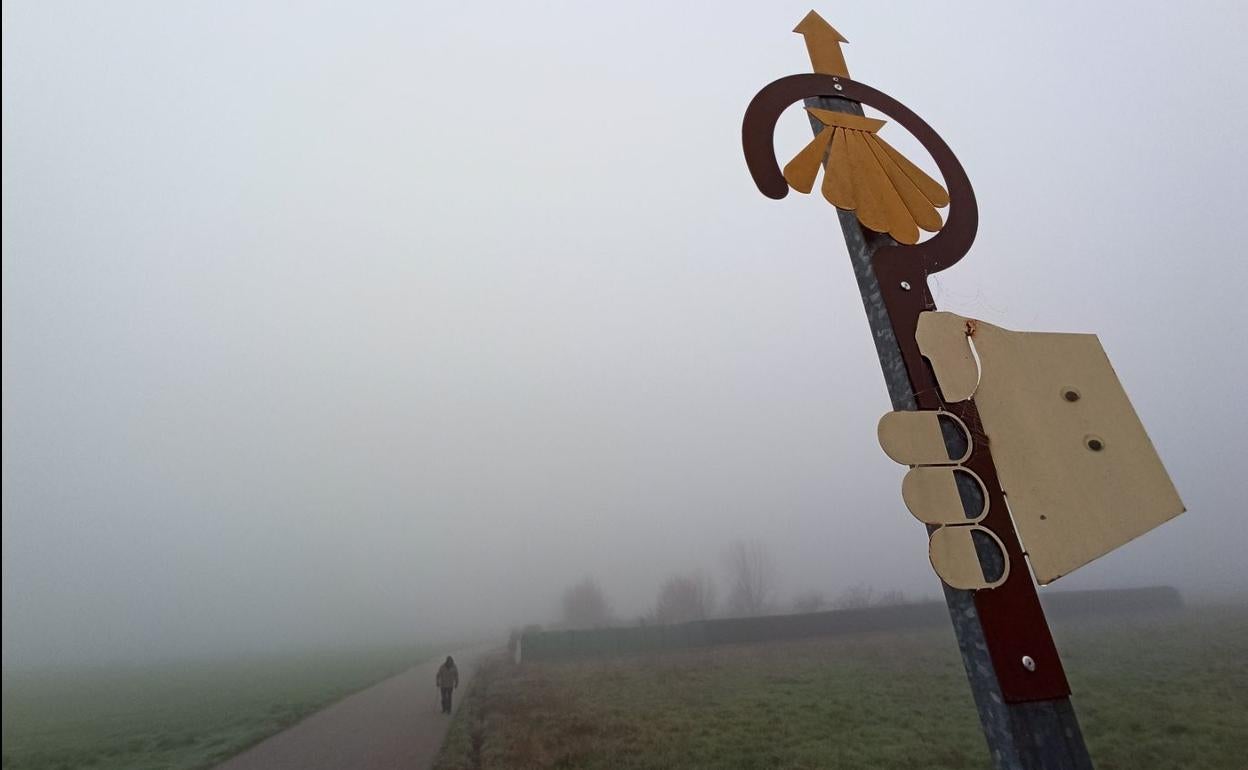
(326,323)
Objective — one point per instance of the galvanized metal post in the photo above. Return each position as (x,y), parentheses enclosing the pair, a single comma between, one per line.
(1037,735)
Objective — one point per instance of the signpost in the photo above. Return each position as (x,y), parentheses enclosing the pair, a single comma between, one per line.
(1069,443)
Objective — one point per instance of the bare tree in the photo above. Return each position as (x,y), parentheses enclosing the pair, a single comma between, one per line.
(685,597)
(889,598)
(585,605)
(751,577)
(855,597)
(861,595)
(810,601)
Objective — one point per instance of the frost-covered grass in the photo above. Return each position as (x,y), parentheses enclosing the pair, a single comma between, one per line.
(186,715)
(1160,691)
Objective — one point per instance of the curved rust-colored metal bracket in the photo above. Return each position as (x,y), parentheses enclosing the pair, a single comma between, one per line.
(1012,619)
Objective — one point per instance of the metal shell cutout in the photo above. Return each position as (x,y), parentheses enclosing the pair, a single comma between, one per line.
(864,174)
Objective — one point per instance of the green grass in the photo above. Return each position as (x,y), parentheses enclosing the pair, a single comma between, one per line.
(186,715)
(1151,692)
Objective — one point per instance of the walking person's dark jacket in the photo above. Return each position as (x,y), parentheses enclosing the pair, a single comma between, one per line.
(448,675)
(447,681)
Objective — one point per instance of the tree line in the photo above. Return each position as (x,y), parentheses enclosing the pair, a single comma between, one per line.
(750,583)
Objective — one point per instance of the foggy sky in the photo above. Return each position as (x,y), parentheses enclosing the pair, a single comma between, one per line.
(326,324)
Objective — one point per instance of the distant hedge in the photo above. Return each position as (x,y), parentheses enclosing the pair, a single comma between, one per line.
(633,640)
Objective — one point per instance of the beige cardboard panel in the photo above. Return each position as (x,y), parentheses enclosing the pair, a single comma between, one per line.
(942,339)
(952,553)
(914,438)
(1081,476)
(931,494)
(800,172)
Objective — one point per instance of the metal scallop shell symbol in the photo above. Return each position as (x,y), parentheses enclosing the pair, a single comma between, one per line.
(864,174)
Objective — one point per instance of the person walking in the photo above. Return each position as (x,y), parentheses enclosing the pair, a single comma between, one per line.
(448,680)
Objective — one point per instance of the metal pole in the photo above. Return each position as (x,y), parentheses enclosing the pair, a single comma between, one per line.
(1037,735)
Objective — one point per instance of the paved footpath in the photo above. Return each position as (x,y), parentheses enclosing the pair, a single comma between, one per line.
(395,724)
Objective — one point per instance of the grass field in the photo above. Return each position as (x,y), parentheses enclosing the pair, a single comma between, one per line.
(1151,692)
(188,715)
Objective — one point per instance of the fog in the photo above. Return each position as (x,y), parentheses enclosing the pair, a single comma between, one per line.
(343,324)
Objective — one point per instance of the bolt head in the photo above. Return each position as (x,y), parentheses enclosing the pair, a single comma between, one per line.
(905,286)
(1029,663)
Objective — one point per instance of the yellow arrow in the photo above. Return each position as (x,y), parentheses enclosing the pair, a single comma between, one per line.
(823,43)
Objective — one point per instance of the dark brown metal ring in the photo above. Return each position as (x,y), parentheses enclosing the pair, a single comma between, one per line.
(758,129)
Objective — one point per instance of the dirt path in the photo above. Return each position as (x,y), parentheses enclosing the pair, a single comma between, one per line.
(395,724)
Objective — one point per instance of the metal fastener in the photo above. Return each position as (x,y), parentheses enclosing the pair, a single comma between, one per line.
(905,286)
(1029,663)
(839,87)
